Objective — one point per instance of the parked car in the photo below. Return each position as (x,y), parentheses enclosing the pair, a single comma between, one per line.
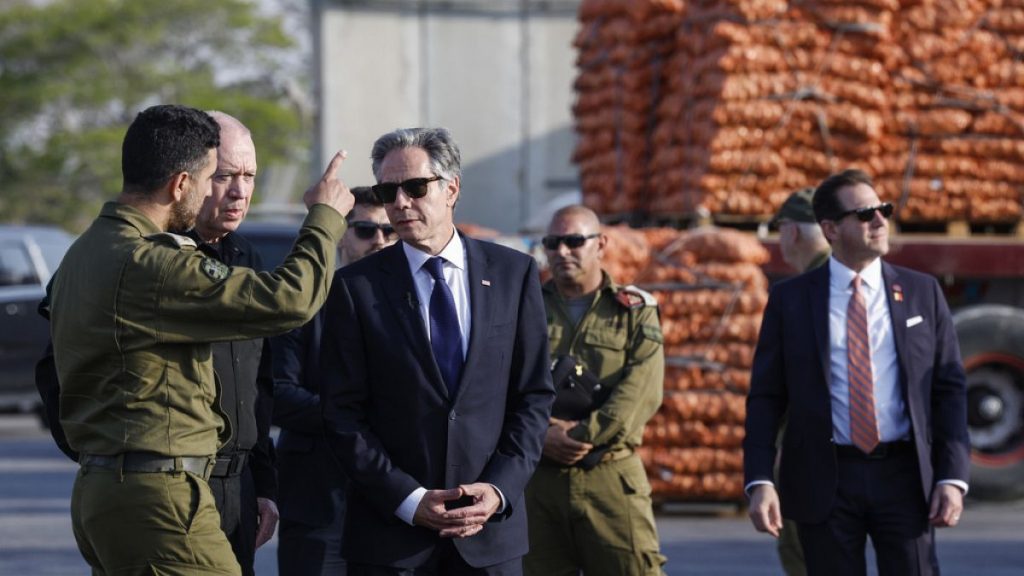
(28,257)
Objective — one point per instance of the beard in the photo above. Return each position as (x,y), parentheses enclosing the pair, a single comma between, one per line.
(184,212)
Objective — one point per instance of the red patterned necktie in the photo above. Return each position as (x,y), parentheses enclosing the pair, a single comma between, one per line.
(863,426)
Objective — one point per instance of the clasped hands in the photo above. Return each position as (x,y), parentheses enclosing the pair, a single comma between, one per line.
(483,501)
(559,447)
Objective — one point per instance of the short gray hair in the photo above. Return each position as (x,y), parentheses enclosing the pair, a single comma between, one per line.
(445,159)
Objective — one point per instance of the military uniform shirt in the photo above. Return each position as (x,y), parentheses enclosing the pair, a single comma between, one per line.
(620,341)
(133,311)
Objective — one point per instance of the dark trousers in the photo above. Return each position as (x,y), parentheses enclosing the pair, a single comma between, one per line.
(445,561)
(304,550)
(235,497)
(880,499)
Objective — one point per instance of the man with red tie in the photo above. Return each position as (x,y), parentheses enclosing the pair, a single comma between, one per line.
(864,357)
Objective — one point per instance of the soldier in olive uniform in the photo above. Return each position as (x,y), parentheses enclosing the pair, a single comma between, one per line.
(804,247)
(133,309)
(596,518)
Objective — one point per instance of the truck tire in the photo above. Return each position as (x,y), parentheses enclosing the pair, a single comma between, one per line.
(992,346)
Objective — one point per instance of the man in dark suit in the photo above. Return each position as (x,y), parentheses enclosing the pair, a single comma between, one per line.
(244,479)
(436,387)
(312,485)
(864,357)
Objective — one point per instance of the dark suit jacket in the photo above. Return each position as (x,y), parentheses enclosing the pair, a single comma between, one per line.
(391,423)
(311,481)
(791,370)
(244,372)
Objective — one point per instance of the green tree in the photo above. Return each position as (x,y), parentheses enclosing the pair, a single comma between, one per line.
(73,74)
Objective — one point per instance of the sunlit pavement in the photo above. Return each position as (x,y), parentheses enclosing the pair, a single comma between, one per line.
(36,539)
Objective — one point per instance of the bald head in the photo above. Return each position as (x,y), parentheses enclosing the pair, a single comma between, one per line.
(233,183)
(229,123)
(574,247)
(581,214)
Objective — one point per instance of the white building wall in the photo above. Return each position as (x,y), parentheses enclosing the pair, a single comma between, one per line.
(497,73)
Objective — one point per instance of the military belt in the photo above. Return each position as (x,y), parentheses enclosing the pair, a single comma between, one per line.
(147,462)
(229,464)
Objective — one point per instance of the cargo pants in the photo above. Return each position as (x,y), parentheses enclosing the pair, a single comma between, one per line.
(159,523)
(599,520)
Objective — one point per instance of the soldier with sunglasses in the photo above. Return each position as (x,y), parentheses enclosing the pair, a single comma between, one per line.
(312,485)
(589,502)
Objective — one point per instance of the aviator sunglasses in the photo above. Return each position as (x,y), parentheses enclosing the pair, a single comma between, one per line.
(572,241)
(414,187)
(867,214)
(365,230)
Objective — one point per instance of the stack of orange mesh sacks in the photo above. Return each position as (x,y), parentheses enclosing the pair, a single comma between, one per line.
(958,96)
(622,47)
(762,97)
(711,292)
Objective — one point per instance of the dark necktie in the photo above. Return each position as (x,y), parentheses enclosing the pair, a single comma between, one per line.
(445,336)
(863,426)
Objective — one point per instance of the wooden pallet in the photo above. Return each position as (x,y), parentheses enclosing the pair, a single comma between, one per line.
(963,228)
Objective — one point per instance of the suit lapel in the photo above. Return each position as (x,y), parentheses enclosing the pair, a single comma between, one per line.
(897,312)
(481,306)
(403,301)
(818,297)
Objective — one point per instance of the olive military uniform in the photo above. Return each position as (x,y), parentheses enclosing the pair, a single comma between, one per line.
(245,463)
(600,520)
(132,313)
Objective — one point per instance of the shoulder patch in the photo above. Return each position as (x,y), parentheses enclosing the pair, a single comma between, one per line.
(215,269)
(172,238)
(633,297)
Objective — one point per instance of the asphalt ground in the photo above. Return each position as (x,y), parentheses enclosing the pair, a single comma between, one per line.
(704,540)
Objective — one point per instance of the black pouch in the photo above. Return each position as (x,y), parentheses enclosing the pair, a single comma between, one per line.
(577,390)
(577,393)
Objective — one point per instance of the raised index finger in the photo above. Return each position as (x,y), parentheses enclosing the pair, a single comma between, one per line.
(335,165)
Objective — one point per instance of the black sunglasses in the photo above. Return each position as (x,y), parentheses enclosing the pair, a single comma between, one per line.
(867,214)
(414,187)
(573,241)
(365,230)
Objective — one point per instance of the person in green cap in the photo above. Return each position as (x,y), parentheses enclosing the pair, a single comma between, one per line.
(133,310)
(801,241)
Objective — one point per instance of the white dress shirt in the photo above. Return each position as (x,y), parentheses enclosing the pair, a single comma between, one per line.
(456,274)
(890,410)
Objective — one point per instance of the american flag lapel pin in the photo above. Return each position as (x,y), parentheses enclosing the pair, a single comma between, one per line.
(897,293)
(485,282)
